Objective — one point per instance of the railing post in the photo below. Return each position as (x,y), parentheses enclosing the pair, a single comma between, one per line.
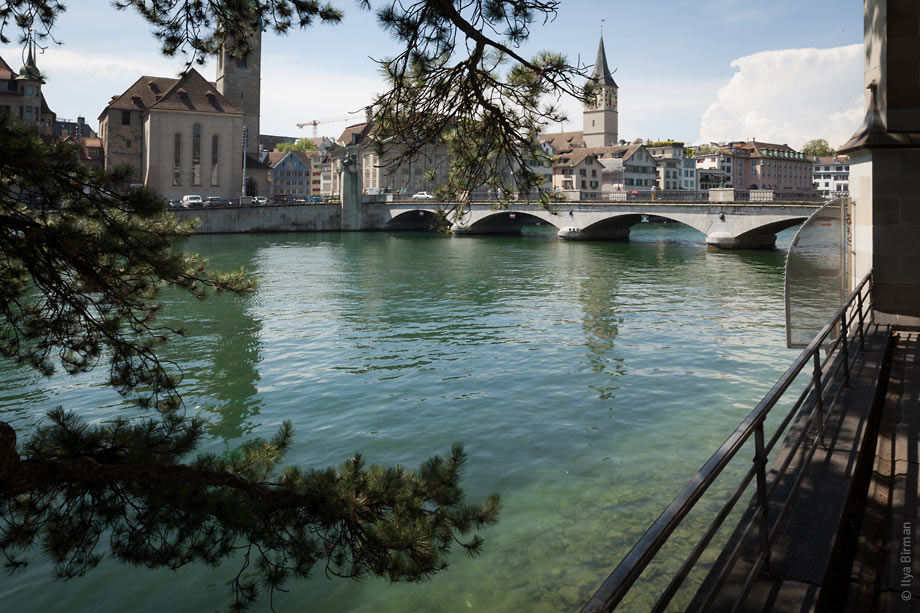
(846,348)
(819,396)
(760,459)
(862,336)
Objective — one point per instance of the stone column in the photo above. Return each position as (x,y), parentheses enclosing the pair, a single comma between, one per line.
(885,162)
(351,193)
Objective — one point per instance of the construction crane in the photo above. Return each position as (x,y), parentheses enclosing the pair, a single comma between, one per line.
(316,122)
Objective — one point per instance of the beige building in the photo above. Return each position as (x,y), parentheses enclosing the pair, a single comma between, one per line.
(185,136)
(379,171)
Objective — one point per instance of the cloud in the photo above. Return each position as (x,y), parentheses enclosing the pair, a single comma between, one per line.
(790,96)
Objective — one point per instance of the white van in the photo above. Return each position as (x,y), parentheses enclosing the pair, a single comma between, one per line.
(188,201)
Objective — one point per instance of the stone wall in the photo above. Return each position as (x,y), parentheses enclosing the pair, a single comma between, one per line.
(160,154)
(302,218)
(123,144)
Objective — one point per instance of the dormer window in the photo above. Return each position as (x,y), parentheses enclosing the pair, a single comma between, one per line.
(153,87)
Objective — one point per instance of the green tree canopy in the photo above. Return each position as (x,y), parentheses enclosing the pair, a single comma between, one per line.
(818,148)
(301,144)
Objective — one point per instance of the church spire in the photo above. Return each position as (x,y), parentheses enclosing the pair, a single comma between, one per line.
(601,74)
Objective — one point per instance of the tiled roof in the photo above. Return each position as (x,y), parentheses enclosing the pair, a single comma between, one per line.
(625,152)
(359,130)
(563,142)
(190,93)
(193,93)
(274,157)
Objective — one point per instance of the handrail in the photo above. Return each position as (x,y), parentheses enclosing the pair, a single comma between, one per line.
(618,584)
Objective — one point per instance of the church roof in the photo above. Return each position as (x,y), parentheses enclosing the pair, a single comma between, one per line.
(562,142)
(191,92)
(601,73)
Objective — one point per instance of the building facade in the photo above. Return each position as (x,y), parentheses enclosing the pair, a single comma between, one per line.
(21,94)
(832,175)
(178,137)
(185,136)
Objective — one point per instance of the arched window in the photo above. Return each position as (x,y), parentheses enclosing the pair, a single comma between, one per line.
(215,156)
(177,160)
(196,154)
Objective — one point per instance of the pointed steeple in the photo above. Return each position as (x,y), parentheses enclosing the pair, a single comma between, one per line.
(29,71)
(601,74)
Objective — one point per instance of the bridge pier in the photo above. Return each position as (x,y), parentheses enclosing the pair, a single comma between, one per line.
(724,240)
(499,230)
(577,234)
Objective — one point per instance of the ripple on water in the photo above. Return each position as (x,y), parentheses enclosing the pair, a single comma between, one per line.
(588,382)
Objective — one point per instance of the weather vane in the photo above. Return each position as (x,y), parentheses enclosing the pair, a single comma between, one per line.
(602,27)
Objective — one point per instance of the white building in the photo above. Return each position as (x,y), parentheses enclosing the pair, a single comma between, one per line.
(832,175)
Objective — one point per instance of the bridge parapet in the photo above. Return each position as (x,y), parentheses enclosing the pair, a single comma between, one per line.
(715,195)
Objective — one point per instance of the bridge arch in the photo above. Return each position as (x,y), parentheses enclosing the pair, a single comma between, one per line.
(508,221)
(414,219)
(618,226)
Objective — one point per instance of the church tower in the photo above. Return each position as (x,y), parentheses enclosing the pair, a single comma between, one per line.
(600,118)
(239,81)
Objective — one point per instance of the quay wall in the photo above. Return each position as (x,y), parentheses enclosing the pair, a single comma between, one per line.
(293,218)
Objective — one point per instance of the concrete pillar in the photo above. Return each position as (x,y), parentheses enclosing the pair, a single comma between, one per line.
(577,234)
(725,240)
(885,162)
(351,193)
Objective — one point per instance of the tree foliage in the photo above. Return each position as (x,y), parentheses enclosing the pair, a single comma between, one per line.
(301,144)
(818,148)
(461,78)
(83,260)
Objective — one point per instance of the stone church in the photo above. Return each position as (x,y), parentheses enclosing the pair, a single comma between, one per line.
(185,135)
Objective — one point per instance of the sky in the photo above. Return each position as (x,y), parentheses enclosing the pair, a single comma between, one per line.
(784,71)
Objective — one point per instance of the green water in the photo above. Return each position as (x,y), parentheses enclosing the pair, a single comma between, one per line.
(588,382)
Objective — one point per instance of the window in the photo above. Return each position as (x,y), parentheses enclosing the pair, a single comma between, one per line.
(126,118)
(196,154)
(128,143)
(214,158)
(177,160)
(242,63)
(582,185)
(582,172)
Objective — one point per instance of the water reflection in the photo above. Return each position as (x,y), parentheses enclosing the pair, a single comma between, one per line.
(220,354)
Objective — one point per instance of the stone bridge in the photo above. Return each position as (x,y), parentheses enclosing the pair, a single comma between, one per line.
(726,225)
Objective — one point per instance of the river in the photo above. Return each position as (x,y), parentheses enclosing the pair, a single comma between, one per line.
(588,382)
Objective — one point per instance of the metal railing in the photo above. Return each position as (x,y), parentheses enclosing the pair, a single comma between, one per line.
(598,196)
(846,328)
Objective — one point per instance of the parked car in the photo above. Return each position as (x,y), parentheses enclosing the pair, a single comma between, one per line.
(175,204)
(422,196)
(314,200)
(190,200)
(214,201)
(259,200)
